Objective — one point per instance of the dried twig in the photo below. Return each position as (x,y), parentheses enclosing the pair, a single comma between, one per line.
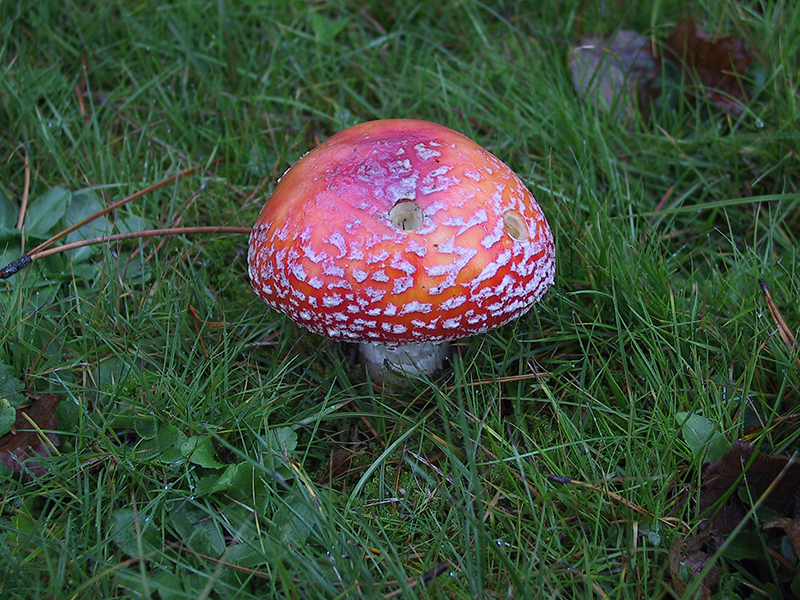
(426,577)
(783,329)
(776,421)
(40,250)
(565,480)
(115,237)
(503,379)
(26,188)
(118,204)
(25,260)
(662,202)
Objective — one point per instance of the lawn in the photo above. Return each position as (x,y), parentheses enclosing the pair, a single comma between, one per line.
(204,446)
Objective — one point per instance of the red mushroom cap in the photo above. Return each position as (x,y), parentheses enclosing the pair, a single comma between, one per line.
(401,231)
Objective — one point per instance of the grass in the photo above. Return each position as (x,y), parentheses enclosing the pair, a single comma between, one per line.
(212,449)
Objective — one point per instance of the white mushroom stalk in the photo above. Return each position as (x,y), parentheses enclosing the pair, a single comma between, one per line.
(411,360)
(401,235)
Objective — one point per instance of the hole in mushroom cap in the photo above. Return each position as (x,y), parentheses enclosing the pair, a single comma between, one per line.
(516,226)
(406,215)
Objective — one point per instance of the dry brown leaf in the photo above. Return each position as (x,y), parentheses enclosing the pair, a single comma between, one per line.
(775,477)
(790,527)
(761,471)
(20,447)
(712,68)
(687,558)
(338,466)
(615,73)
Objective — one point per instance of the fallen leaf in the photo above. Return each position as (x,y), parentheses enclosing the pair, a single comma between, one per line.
(712,68)
(760,471)
(23,444)
(687,558)
(615,73)
(743,472)
(338,466)
(790,527)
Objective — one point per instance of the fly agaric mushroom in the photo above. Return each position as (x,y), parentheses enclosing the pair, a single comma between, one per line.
(401,235)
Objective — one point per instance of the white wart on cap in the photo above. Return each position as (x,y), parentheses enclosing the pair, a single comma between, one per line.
(401,234)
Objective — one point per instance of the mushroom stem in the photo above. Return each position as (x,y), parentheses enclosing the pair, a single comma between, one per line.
(410,360)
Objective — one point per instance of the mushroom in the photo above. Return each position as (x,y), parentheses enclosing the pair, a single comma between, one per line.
(401,235)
